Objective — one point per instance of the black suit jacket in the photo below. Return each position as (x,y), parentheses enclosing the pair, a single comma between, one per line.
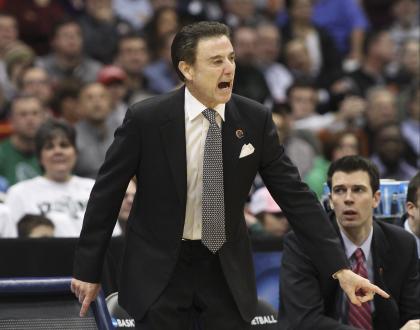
(150,144)
(312,300)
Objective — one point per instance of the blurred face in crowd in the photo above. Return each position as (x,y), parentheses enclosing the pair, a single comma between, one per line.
(405,10)
(413,210)
(410,57)
(163,3)
(26,117)
(381,108)
(268,37)
(68,40)
(167,22)
(389,145)
(95,103)
(384,47)
(244,9)
(127,202)
(133,55)
(297,56)
(353,201)
(414,106)
(58,157)
(348,145)
(245,44)
(303,102)
(210,77)
(8,31)
(35,81)
(301,11)
(100,9)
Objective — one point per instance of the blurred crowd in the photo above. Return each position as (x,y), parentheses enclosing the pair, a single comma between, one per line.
(341,78)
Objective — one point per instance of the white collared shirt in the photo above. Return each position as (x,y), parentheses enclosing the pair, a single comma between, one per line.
(196,127)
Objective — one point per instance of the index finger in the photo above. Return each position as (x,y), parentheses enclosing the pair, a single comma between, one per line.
(85,306)
(378,290)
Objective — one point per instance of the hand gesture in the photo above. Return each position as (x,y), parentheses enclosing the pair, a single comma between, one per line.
(85,292)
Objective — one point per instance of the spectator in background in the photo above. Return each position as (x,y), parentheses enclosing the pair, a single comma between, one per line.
(160,73)
(65,102)
(165,22)
(138,12)
(381,108)
(66,60)
(268,213)
(388,153)
(324,59)
(300,146)
(379,51)
(297,59)
(410,127)
(7,226)
(406,24)
(17,158)
(35,81)
(346,22)
(126,205)
(240,12)
(8,36)
(133,56)
(114,79)
(268,51)
(303,100)
(57,194)
(408,65)
(411,220)
(382,252)
(101,29)
(95,131)
(250,81)
(17,58)
(35,226)
(36,20)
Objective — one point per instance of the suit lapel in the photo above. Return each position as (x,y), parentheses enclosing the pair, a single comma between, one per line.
(232,141)
(173,136)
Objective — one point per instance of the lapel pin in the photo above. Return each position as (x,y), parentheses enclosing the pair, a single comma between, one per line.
(239,133)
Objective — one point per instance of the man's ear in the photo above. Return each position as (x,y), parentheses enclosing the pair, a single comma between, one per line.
(330,202)
(411,209)
(186,70)
(376,198)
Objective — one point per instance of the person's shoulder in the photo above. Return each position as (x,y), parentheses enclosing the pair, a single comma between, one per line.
(25,186)
(151,105)
(395,234)
(5,144)
(249,107)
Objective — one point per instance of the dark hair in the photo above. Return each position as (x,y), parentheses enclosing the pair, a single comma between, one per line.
(30,221)
(63,22)
(301,83)
(184,45)
(370,38)
(51,129)
(413,188)
(349,164)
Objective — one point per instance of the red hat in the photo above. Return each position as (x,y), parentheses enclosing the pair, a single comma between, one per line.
(111,73)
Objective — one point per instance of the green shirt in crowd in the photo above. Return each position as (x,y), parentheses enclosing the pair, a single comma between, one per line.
(17,166)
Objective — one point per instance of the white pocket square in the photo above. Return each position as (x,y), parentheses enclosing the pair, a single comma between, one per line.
(247,149)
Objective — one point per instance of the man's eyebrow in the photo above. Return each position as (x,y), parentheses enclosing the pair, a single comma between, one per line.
(220,56)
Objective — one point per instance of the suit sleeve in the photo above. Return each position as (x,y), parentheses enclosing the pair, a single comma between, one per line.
(410,293)
(300,205)
(120,165)
(302,302)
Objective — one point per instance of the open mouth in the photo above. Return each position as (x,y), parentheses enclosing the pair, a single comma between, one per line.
(224,84)
(350,213)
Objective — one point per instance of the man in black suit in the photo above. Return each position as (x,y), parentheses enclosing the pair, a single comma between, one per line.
(310,299)
(168,273)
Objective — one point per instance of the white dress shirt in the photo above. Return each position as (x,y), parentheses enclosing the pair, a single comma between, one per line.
(196,127)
